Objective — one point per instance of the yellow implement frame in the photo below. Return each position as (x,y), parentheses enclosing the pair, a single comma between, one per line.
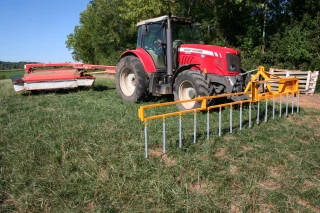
(286,86)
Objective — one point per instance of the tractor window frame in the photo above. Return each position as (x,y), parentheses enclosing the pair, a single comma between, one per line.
(155,32)
(139,39)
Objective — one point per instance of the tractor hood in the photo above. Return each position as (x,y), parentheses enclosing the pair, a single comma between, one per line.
(208,49)
(211,59)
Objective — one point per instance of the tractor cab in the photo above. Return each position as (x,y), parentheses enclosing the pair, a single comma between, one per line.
(152,37)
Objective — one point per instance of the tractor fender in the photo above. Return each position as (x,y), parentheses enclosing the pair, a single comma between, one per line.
(144,57)
(183,68)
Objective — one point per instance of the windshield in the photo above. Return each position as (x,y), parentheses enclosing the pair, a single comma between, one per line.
(182,32)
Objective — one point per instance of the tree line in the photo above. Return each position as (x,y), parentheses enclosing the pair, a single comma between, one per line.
(281,33)
(13,65)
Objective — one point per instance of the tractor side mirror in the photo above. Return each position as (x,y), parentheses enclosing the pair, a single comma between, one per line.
(145,30)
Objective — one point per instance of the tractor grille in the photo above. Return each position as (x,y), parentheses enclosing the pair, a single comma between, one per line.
(233,62)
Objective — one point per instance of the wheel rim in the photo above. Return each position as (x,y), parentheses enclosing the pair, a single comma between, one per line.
(127,81)
(187,91)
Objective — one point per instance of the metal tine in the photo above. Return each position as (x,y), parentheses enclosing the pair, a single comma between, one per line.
(250,115)
(258,112)
(280,107)
(195,128)
(240,116)
(208,125)
(273,107)
(266,114)
(298,104)
(287,105)
(230,118)
(220,122)
(292,106)
(164,134)
(146,138)
(180,131)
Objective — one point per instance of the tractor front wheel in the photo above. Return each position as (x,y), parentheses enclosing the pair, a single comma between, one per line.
(190,84)
(132,80)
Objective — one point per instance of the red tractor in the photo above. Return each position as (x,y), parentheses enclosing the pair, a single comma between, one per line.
(167,61)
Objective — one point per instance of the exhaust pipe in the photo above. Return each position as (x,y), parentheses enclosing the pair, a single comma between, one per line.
(169,50)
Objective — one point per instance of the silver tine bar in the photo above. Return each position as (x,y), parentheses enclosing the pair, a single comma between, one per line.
(231,119)
(164,134)
(180,131)
(273,107)
(258,112)
(287,105)
(240,116)
(298,104)
(280,107)
(266,114)
(146,138)
(250,115)
(195,128)
(292,106)
(220,122)
(208,125)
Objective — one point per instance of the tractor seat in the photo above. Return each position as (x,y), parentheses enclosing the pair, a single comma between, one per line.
(157,59)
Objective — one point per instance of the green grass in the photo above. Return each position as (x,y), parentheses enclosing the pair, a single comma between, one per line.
(8,74)
(83,151)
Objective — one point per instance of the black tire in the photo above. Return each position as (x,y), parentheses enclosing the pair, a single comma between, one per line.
(132,81)
(191,84)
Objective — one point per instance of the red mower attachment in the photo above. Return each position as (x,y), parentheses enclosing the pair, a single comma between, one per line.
(57,76)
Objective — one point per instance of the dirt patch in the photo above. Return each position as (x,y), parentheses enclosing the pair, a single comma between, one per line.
(233,170)
(269,184)
(90,206)
(229,137)
(310,101)
(221,153)
(235,209)
(267,208)
(308,184)
(159,154)
(307,205)
(200,187)
(275,171)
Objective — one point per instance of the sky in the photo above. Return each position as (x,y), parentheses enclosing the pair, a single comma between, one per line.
(36,30)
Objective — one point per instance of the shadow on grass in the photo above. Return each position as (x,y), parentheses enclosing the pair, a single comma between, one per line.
(96,88)
(64,91)
(101,88)
(188,142)
(45,92)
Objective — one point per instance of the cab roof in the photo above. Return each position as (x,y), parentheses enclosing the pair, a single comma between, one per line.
(164,18)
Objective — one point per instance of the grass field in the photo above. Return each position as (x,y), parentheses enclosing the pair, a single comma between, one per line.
(8,74)
(83,151)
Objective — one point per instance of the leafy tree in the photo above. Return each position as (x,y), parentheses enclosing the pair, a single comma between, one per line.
(269,32)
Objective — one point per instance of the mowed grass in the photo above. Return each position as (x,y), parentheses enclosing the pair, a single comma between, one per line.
(83,151)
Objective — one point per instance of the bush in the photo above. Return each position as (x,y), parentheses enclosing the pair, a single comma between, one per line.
(2,77)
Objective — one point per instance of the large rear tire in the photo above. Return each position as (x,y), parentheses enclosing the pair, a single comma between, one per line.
(191,84)
(132,80)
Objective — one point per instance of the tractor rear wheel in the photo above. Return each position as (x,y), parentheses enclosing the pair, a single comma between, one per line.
(132,80)
(190,84)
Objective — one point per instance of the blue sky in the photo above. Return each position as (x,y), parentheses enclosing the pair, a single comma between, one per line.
(36,30)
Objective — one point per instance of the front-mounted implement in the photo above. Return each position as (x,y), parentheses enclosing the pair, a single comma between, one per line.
(287,87)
